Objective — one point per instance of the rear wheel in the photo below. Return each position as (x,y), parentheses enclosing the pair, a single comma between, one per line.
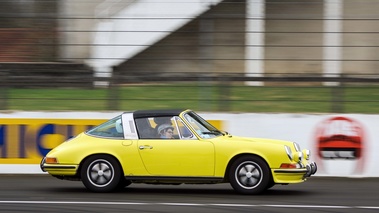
(249,175)
(270,184)
(101,173)
(123,183)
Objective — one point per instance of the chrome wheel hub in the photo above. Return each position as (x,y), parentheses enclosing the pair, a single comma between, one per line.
(100,173)
(248,175)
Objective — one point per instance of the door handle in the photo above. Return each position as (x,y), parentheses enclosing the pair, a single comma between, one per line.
(145,147)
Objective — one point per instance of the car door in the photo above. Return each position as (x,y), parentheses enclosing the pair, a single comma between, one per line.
(178,157)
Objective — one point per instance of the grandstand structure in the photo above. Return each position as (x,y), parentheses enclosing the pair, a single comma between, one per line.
(254,37)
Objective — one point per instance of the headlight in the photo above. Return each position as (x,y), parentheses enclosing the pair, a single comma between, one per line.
(289,152)
(297,156)
(307,154)
(297,147)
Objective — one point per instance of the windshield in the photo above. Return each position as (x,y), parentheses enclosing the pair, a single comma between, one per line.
(201,126)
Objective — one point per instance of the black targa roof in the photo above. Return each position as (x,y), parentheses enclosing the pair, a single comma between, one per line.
(157,113)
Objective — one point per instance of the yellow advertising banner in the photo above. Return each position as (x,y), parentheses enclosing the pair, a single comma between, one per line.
(26,141)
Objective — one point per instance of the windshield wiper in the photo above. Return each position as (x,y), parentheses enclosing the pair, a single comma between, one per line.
(214,132)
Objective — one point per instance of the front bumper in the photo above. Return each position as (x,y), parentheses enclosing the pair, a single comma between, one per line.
(285,176)
(311,169)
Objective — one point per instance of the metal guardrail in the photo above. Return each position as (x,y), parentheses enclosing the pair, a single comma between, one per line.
(85,81)
(242,77)
(224,82)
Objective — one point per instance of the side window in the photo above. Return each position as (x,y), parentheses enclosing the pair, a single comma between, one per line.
(162,128)
(184,132)
(110,129)
(165,128)
(144,128)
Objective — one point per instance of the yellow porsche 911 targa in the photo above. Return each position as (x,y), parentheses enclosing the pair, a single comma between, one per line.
(174,147)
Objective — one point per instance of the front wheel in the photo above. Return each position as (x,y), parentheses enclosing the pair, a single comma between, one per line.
(101,173)
(249,175)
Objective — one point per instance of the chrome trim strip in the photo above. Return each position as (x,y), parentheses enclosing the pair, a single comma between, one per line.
(294,171)
(41,165)
(173,178)
(58,167)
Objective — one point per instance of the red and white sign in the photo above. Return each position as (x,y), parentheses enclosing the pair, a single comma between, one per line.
(340,138)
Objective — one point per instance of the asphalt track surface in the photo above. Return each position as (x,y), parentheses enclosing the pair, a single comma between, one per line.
(43,193)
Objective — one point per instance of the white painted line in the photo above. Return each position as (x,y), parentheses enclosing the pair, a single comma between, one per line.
(180,204)
(234,205)
(71,202)
(311,206)
(368,207)
(189,204)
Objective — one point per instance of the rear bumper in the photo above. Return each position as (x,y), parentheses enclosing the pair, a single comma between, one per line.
(58,169)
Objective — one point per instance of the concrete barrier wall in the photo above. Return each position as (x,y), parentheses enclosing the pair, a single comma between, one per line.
(341,144)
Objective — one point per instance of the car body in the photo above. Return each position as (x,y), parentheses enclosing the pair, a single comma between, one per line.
(127,149)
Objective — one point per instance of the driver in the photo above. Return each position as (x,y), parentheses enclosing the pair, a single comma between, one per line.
(166,131)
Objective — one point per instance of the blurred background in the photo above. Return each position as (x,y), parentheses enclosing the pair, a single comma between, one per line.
(208,55)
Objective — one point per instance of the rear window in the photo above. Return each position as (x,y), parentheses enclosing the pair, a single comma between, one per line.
(110,129)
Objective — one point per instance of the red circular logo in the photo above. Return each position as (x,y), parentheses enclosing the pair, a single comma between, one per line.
(340,138)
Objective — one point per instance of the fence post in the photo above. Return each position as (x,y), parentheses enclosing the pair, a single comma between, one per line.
(113,93)
(224,94)
(338,93)
(3,90)
(205,86)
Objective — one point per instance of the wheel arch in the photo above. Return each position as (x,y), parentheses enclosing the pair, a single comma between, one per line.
(231,161)
(98,154)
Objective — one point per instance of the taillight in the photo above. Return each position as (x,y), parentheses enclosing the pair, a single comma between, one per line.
(51,160)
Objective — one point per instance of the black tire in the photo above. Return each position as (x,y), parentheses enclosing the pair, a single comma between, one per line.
(249,175)
(101,173)
(270,184)
(123,183)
